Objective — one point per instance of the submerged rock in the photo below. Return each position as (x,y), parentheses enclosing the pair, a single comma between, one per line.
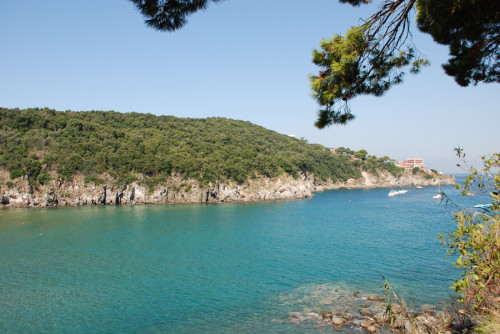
(350,312)
(380,319)
(375,298)
(367,322)
(366,313)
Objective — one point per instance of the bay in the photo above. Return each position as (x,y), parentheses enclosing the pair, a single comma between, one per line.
(221,268)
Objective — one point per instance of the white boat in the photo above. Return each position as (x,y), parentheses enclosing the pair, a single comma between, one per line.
(393,192)
(482,206)
(439,195)
(419,187)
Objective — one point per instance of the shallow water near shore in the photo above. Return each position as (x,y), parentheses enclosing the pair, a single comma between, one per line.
(222,268)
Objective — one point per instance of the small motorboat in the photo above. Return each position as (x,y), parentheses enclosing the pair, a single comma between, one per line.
(482,206)
(393,193)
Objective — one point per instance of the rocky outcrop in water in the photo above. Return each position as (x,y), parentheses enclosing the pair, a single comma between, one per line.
(76,192)
(331,306)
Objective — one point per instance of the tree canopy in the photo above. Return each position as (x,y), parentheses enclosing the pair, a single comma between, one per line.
(169,15)
(42,144)
(372,57)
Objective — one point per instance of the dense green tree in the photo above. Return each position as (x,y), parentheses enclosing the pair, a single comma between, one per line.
(361,154)
(44,144)
(353,65)
(471,29)
(169,15)
(343,150)
(372,57)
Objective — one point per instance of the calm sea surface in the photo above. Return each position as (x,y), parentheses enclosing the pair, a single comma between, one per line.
(224,268)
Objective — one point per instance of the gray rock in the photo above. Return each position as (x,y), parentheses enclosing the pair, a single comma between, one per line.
(77,192)
(367,322)
(366,313)
(408,327)
(327,315)
(375,298)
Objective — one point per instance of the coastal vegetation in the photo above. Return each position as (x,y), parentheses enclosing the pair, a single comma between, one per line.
(476,244)
(41,145)
(44,144)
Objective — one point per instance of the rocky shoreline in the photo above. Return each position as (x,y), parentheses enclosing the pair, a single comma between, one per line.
(329,306)
(176,190)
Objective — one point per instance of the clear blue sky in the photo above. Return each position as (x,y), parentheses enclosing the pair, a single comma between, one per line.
(239,59)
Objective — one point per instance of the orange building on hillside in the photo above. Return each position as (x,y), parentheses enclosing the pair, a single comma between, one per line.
(412,163)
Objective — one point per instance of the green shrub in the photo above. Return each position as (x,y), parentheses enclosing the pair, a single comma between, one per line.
(48,159)
(130,178)
(476,241)
(94,179)
(14,174)
(43,178)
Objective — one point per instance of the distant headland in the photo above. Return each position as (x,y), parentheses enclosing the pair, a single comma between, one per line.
(55,158)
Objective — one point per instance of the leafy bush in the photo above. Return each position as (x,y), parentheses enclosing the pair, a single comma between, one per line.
(127,179)
(43,178)
(373,165)
(476,241)
(14,174)
(94,179)
(47,160)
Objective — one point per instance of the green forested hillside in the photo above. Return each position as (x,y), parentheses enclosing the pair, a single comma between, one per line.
(39,142)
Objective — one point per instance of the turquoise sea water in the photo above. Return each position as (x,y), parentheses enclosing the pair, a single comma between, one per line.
(223,268)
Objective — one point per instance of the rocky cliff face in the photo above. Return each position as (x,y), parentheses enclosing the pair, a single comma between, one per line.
(176,190)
